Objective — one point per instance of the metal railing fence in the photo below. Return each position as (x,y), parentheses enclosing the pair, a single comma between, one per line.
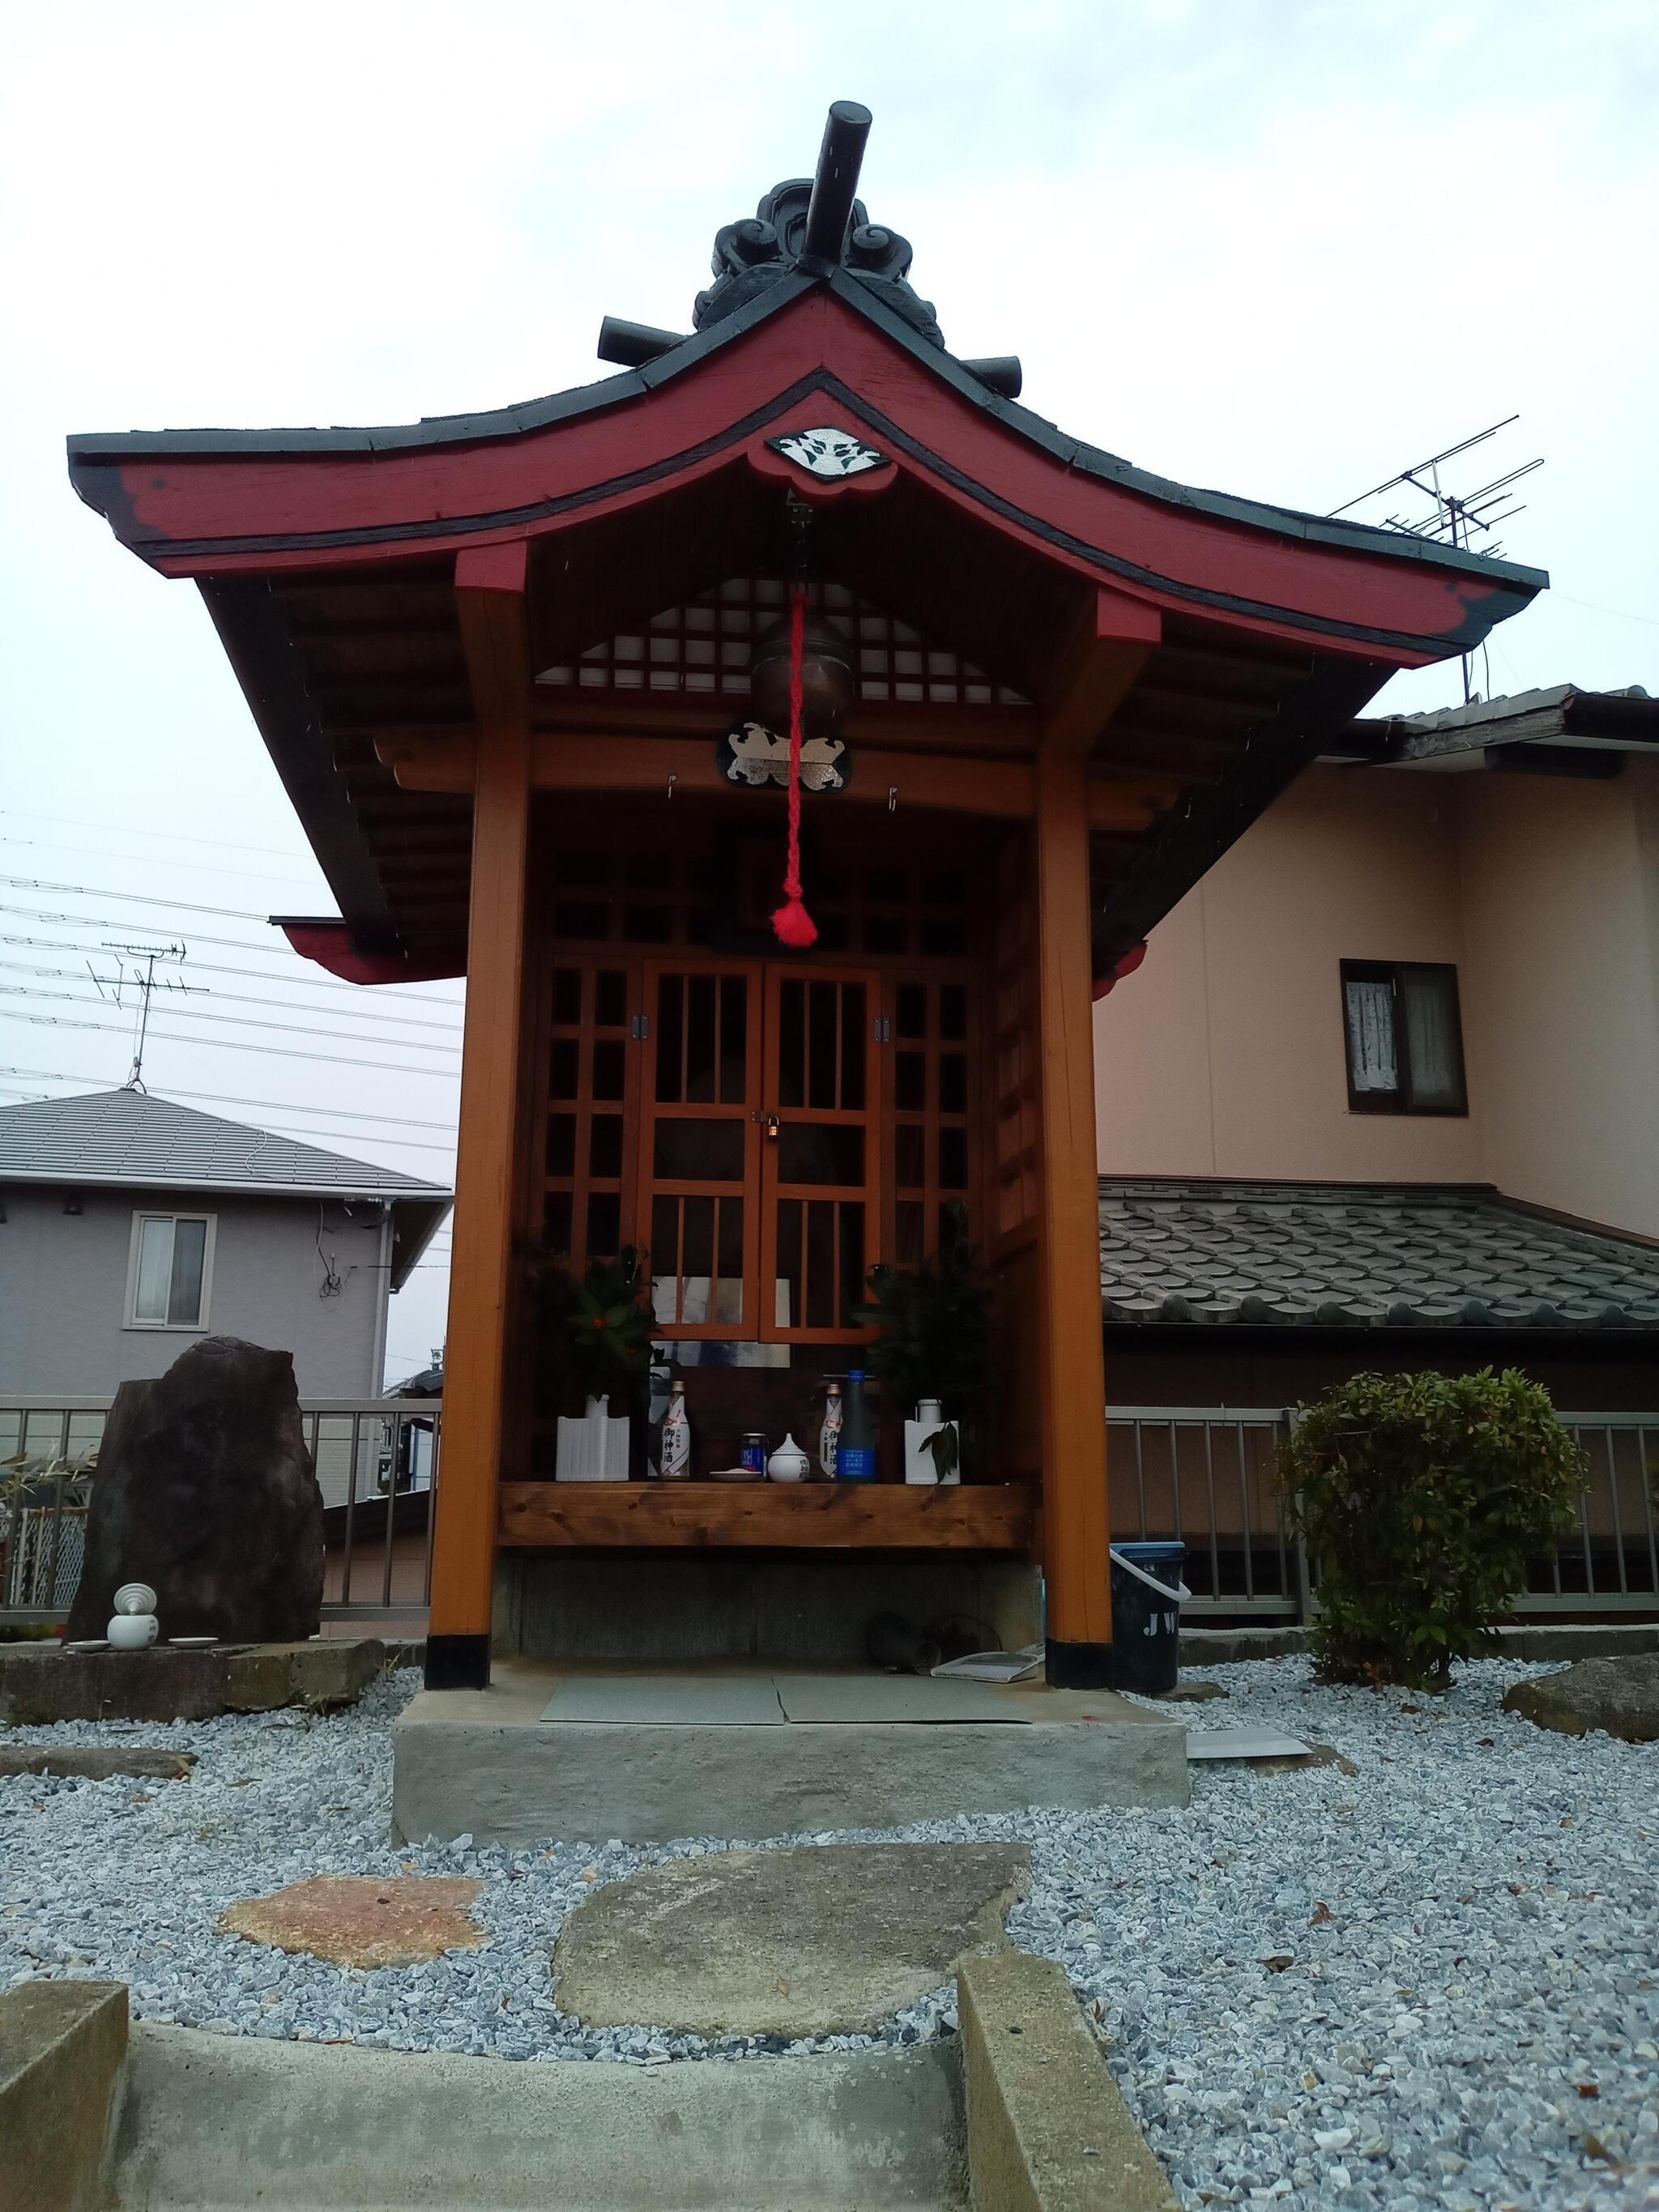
(1206,1475)
(377,1462)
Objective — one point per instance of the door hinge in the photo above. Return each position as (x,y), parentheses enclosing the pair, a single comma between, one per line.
(882,1030)
(640,1027)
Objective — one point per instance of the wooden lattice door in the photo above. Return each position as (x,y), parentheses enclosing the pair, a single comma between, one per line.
(700,1145)
(759,1167)
(820,1160)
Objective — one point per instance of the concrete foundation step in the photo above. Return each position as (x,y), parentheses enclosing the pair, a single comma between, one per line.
(500,1765)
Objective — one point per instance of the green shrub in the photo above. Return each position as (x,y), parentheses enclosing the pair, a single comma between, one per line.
(1421,1498)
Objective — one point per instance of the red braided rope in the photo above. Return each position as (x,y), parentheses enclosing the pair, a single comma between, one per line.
(792,922)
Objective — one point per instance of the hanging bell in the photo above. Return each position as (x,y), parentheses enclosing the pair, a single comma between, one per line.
(828,682)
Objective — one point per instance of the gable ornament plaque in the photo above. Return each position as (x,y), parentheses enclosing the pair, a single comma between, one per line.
(828,453)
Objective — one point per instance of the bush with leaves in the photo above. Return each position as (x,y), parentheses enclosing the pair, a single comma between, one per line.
(596,1334)
(1421,1498)
(933,1330)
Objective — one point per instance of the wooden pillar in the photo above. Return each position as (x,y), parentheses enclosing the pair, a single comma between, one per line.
(490,590)
(1076,1528)
(1111,646)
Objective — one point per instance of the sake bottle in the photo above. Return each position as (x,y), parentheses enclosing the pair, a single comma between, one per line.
(855,1453)
(829,1434)
(674,1454)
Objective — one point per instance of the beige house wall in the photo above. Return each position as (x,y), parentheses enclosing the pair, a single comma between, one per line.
(1561,1019)
(1223,1054)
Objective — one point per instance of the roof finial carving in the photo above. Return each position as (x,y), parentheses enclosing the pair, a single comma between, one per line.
(814,224)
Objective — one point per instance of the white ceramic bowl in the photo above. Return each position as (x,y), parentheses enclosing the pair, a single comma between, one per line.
(135,1597)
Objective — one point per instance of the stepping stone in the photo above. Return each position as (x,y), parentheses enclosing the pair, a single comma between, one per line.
(826,1940)
(1619,1695)
(96,1762)
(359,1920)
(1188,1694)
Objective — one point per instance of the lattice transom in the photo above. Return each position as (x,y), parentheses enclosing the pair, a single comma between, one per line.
(703,648)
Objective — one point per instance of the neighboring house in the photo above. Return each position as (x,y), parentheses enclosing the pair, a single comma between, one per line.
(131,1227)
(1384,1090)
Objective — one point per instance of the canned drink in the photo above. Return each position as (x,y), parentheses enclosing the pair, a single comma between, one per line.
(752,1452)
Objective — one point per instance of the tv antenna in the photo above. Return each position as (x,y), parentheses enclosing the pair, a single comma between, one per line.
(1455,517)
(144,982)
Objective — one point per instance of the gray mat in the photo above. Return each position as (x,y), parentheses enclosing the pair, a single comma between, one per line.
(876,1697)
(1256,1742)
(675,1699)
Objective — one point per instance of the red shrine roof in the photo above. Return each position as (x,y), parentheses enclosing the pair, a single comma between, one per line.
(221,502)
(979,531)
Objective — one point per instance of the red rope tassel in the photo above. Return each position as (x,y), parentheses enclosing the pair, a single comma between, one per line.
(792,922)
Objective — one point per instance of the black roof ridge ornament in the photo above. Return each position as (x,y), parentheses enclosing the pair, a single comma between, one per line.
(809,225)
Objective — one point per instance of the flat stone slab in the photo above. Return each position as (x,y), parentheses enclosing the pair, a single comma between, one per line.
(102,1762)
(41,1682)
(356,1920)
(828,1939)
(666,1700)
(1619,1695)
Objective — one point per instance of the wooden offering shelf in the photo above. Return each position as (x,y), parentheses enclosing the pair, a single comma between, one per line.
(769,1516)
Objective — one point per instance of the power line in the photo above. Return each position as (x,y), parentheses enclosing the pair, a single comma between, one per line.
(283,952)
(234,1044)
(1619,614)
(230,1021)
(133,898)
(252,975)
(149,861)
(127,829)
(266,1105)
(248,999)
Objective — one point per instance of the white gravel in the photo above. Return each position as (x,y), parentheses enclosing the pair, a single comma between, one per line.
(1470,2015)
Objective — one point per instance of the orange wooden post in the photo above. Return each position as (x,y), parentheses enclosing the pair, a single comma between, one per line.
(490,590)
(1076,1529)
(1112,645)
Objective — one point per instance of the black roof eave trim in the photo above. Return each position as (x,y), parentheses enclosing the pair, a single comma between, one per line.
(87,448)
(34,1178)
(1638,1339)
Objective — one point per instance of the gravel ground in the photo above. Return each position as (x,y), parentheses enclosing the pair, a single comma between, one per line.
(1430,1983)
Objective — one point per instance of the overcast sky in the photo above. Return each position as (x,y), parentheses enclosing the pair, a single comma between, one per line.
(1282,249)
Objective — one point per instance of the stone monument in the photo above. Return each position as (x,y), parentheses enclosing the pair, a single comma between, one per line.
(205,1490)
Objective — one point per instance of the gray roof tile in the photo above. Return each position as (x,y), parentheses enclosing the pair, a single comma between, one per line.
(1364,1256)
(128,1137)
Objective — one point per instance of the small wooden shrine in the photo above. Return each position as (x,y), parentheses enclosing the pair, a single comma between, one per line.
(526,676)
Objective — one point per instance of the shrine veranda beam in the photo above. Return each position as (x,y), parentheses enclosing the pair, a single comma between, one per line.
(567,761)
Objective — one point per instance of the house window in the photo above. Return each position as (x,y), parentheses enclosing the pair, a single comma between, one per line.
(170,1270)
(1405,1038)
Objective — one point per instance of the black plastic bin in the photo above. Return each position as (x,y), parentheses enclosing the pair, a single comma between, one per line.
(1147,1590)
